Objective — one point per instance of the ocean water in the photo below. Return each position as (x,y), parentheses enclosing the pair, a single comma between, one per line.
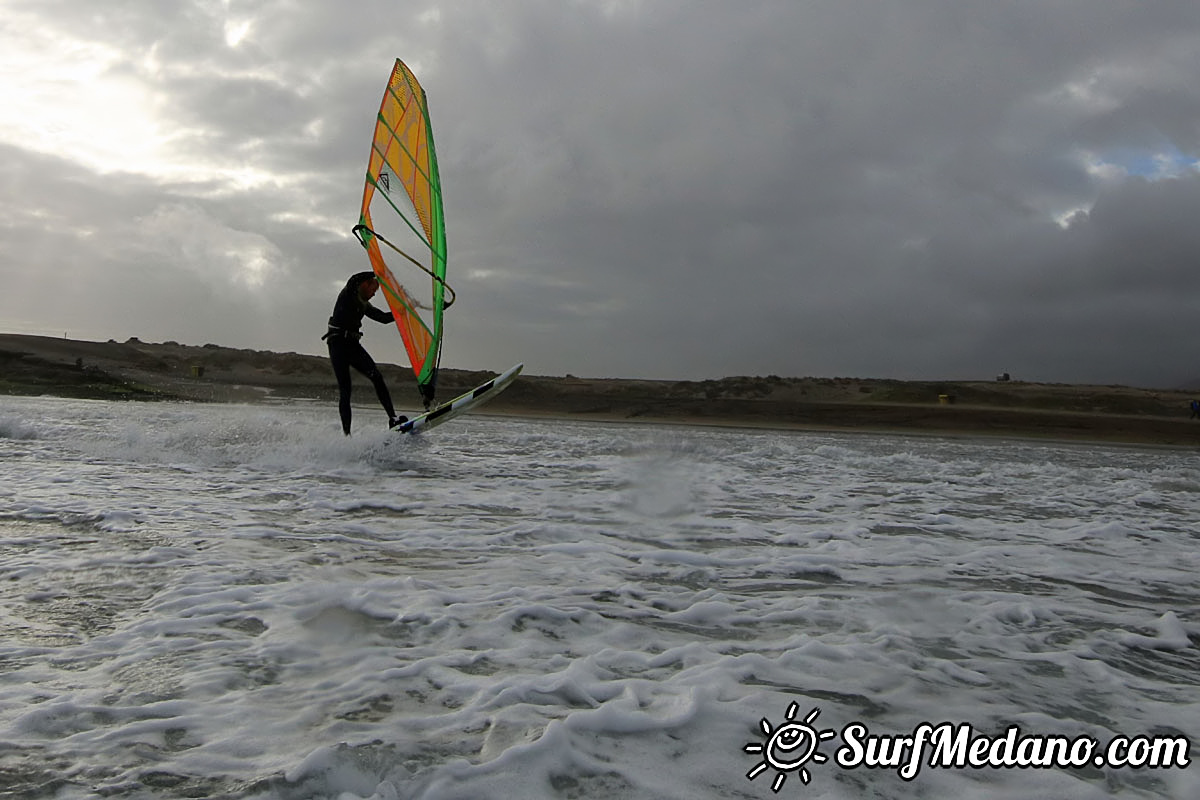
(236,602)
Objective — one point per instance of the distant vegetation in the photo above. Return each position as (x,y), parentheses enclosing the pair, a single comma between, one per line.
(136,369)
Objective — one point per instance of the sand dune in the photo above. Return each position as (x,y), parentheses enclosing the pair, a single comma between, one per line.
(141,370)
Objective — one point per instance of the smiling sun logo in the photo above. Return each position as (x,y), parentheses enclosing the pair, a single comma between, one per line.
(789,747)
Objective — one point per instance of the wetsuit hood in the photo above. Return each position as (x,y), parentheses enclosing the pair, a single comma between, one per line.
(358,278)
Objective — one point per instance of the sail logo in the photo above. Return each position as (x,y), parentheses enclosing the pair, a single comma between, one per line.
(790,747)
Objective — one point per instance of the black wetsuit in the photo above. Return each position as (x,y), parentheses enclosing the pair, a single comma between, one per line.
(345,351)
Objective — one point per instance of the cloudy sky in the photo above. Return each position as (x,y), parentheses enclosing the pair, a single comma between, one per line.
(666,188)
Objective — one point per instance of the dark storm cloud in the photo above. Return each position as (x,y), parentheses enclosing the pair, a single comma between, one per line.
(668,189)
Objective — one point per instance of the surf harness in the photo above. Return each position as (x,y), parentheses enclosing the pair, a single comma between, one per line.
(336,332)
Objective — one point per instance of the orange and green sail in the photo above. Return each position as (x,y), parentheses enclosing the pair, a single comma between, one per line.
(402,211)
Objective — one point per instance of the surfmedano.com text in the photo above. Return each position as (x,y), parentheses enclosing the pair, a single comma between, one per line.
(952,746)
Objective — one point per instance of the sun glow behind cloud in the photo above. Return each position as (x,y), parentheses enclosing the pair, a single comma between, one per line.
(236,31)
(90,103)
(59,98)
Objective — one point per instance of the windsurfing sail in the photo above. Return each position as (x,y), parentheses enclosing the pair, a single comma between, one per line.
(402,213)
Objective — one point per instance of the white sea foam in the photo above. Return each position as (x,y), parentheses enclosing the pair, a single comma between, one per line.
(237,601)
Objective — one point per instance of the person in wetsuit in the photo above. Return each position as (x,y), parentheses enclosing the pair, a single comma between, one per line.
(345,351)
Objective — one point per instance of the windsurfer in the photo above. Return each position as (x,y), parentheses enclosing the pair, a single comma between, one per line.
(345,350)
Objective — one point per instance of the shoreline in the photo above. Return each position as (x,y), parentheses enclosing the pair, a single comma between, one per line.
(1151,435)
(135,370)
(1096,437)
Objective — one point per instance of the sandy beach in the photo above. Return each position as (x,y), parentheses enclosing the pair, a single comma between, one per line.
(135,370)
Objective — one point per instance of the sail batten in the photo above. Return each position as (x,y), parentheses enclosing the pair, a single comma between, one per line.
(402,152)
(433,182)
